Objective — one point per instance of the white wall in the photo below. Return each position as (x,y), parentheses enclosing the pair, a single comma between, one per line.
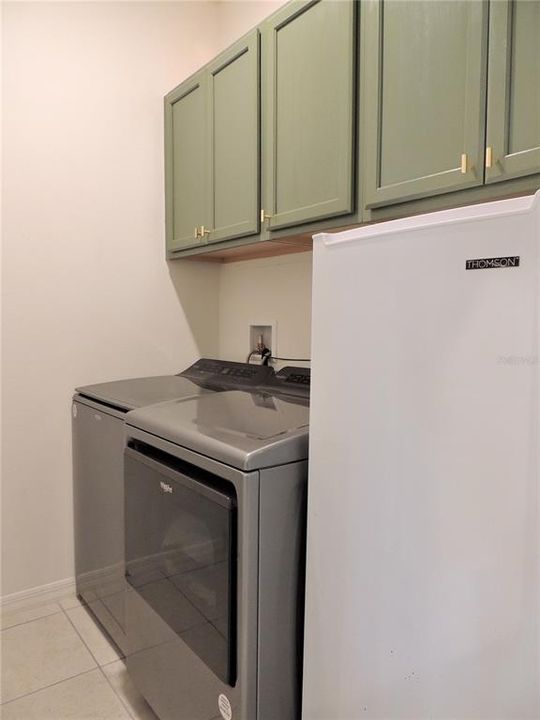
(276,289)
(237,18)
(271,289)
(87,294)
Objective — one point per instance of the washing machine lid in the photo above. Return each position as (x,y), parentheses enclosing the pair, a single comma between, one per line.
(138,392)
(204,376)
(248,430)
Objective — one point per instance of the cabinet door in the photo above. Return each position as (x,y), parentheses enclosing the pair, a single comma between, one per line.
(233,89)
(513,122)
(308,96)
(424,97)
(186,174)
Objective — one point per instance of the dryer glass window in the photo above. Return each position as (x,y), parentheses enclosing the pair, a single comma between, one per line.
(181,551)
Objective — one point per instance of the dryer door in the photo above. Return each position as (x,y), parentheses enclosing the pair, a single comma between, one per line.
(181,553)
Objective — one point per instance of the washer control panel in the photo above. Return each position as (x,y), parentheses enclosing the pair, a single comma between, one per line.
(227,374)
(291,380)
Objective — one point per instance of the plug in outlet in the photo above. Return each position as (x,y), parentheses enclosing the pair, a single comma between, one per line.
(262,335)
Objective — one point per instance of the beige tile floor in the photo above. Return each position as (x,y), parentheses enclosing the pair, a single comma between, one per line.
(57,665)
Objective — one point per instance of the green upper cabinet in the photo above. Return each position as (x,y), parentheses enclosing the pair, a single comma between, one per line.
(308,111)
(423,97)
(212,186)
(234,103)
(513,119)
(335,112)
(185,162)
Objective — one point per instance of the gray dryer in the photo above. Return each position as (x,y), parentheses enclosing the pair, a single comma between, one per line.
(215,530)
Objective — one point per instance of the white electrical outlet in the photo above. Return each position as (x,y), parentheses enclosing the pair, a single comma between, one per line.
(265,332)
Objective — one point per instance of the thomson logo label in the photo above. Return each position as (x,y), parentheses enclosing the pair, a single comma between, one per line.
(487,263)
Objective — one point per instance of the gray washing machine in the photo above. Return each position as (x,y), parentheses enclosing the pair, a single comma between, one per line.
(215,531)
(98,415)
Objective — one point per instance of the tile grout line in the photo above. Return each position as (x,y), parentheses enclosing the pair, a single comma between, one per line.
(46,687)
(41,617)
(16,608)
(70,621)
(99,667)
(46,597)
(124,704)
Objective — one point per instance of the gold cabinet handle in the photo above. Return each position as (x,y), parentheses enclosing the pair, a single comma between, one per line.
(205,231)
(196,233)
(489,156)
(463,163)
(264,215)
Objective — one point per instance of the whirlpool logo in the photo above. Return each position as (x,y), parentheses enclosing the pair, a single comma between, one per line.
(509,261)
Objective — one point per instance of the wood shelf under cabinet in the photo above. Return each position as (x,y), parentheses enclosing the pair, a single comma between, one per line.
(269,248)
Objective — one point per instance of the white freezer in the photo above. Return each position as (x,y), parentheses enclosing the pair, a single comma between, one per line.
(423,556)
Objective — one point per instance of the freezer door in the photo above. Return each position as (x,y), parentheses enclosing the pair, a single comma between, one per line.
(423,506)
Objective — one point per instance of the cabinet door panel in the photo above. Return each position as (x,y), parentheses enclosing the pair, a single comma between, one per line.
(513,126)
(309,102)
(185,159)
(424,79)
(233,83)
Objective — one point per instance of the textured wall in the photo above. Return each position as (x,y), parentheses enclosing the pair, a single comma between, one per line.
(88,295)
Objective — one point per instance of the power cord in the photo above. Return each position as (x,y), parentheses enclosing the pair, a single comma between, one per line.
(266,356)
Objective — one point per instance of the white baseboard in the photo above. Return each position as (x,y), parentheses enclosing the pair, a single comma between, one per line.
(42,593)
